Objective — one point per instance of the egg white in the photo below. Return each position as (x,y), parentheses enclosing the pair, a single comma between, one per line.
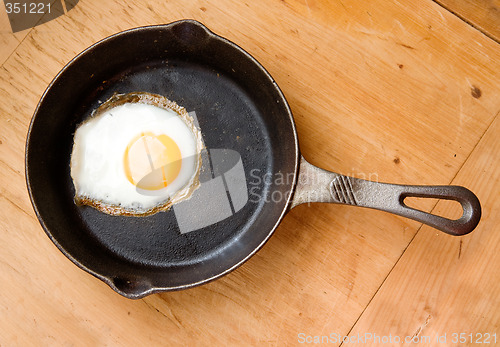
(97,165)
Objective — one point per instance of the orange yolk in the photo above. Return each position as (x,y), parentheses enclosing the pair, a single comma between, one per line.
(152,162)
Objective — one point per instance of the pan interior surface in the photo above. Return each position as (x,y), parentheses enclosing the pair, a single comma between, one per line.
(251,147)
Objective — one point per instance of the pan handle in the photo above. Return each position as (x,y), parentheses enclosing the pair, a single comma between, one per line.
(318,185)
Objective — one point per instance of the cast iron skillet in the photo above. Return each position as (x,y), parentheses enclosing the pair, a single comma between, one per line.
(239,106)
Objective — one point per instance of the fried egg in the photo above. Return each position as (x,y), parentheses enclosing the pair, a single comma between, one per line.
(137,155)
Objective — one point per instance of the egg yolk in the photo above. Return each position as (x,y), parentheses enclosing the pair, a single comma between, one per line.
(152,162)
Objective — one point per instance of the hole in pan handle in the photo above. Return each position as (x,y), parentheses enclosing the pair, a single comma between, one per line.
(318,185)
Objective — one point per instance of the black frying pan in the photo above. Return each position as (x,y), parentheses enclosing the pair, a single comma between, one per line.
(239,107)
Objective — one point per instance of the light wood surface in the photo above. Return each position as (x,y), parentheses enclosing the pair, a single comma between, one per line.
(482,14)
(399,91)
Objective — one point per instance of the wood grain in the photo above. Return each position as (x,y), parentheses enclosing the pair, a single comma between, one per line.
(464,295)
(482,14)
(8,40)
(387,90)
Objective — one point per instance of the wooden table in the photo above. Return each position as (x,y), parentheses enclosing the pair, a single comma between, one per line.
(402,91)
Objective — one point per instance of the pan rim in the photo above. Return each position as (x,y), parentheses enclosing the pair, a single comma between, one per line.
(154,289)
